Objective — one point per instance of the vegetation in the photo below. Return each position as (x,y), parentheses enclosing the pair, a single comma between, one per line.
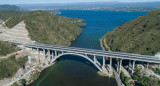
(6,48)
(143,80)
(35,75)
(15,84)
(139,36)
(10,66)
(156,70)
(48,28)
(6,14)
(125,79)
(23,82)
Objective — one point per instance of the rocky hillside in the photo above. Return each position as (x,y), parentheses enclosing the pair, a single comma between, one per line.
(141,36)
(48,28)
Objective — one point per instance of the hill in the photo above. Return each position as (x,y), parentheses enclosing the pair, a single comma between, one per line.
(139,36)
(9,7)
(49,28)
(5,14)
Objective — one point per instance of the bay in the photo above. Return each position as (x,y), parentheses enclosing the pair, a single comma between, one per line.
(74,70)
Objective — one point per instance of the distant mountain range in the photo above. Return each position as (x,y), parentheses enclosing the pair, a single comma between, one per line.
(111,6)
(91,5)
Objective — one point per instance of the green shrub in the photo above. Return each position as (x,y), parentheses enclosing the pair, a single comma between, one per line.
(156,70)
(124,78)
(23,82)
(35,75)
(143,80)
(6,48)
(9,66)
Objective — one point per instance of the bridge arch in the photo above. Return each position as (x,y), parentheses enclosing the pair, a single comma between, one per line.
(83,56)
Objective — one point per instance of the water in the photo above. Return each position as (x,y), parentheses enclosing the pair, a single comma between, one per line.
(74,70)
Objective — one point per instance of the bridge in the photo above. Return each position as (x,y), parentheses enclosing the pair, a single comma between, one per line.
(55,52)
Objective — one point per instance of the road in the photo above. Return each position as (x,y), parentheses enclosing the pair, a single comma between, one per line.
(127,56)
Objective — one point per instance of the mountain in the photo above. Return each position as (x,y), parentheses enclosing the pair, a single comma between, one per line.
(7,11)
(45,27)
(141,36)
(145,6)
(9,7)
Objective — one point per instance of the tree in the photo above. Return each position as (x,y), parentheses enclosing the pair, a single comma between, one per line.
(23,82)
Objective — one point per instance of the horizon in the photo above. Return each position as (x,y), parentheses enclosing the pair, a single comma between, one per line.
(75,2)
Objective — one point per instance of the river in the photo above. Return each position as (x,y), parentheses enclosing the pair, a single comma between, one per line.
(74,70)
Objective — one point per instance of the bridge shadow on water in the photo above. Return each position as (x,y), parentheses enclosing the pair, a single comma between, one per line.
(77,58)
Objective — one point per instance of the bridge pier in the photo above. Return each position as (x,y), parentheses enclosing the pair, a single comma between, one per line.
(147,65)
(52,54)
(133,67)
(49,55)
(129,65)
(95,59)
(117,65)
(38,52)
(38,59)
(55,53)
(44,51)
(120,66)
(104,70)
(104,63)
(110,63)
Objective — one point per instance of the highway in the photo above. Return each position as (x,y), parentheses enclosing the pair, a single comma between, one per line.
(127,56)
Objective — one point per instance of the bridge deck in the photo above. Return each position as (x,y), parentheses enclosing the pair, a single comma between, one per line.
(127,56)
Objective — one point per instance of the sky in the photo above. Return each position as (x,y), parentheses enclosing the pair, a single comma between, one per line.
(64,1)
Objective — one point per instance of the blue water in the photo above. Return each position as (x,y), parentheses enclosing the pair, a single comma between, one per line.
(98,23)
(74,70)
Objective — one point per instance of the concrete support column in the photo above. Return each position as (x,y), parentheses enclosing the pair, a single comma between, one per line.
(49,55)
(120,66)
(44,53)
(95,59)
(110,63)
(38,52)
(147,65)
(129,65)
(52,54)
(133,67)
(104,63)
(117,65)
(55,53)
(38,60)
